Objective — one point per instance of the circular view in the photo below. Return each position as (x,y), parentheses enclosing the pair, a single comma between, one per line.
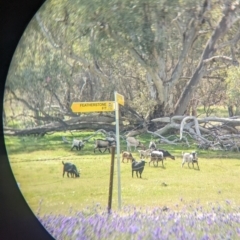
(122,119)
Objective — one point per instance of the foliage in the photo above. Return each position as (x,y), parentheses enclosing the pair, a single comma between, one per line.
(233,88)
(83,51)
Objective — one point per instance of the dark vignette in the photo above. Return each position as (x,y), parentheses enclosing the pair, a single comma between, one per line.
(17,219)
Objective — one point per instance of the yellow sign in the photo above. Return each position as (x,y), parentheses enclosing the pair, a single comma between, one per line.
(93,107)
(120,99)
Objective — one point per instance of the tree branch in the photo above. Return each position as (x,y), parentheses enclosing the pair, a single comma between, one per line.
(46,32)
(217,58)
(195,122)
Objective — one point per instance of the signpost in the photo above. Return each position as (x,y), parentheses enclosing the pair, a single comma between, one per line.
(92,106)
(120,98)
(116,98)
(106,106)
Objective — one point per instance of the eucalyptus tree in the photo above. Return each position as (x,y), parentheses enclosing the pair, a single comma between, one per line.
(146,49)
(158,35)
(142,28)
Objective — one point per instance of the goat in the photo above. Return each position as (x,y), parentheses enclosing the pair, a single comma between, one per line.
(190,158)
(166,154)
(126,155)
(78,144)
(156,156)
(70,168)
(131,141)
(110,139)
(152,145)
(138,167)
(101,143)
(145,153)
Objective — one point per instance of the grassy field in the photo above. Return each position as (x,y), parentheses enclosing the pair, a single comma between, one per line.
(37,167)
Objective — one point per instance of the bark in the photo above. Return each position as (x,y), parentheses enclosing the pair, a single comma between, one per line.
(208,135)
(162,139)
(92,121)
(234,121)
(169,127)
(47,129)
(195,124)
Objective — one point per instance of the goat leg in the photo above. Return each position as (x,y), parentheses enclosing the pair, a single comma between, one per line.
(197,165)
(155,162)
(104,150)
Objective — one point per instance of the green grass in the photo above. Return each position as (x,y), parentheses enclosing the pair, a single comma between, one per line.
(37,166)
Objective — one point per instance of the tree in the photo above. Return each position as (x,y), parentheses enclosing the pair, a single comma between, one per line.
(225,23)
(146,50)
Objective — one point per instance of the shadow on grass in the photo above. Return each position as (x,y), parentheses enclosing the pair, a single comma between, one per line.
(17,147)
(191,168)
(29,148)
(28,144)
(158,167)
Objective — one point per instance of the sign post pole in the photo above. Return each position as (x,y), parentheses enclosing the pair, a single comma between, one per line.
(118,149)
(106,106)
(111,180)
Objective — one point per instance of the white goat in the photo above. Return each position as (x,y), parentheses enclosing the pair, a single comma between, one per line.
(190,158)
(152,145)
(131,141)
(145,153)
(156,156)
(78,144)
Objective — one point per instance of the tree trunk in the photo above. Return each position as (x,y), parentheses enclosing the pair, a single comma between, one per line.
(158,112)
(230,111)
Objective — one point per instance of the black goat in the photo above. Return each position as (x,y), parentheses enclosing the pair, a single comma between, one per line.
(166,154)
(78,144)
(70,168)
(101,143)
(138,167)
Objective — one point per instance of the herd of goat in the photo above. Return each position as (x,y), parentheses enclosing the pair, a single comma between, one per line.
(155,155)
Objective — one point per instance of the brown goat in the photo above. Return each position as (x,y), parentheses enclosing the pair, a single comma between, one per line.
(126,155)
